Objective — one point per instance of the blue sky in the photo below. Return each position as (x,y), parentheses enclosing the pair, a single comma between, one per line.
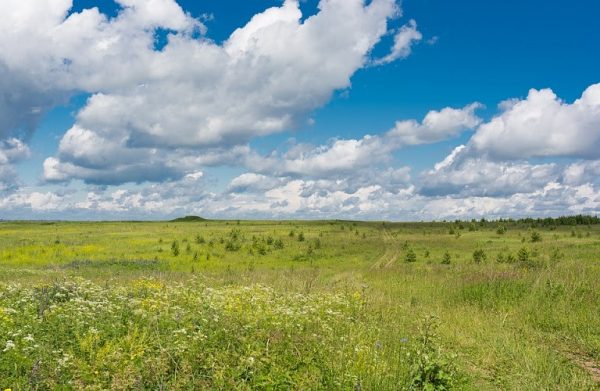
(308,111)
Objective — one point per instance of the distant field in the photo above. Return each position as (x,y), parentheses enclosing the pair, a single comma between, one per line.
(299,305)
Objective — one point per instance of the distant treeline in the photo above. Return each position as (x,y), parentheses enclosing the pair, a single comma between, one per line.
(543,222)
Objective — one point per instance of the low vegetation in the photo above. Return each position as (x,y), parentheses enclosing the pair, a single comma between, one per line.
(335,305)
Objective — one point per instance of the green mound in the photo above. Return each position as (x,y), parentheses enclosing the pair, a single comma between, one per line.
(188,219)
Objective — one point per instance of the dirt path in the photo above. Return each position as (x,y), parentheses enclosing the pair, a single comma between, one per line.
(586,363)
(391,252)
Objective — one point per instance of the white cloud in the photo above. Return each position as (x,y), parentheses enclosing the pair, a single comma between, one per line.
(404,39)
(12,151)
(542,125)
(462,175)
(343,157)
(194,95)
(436,126)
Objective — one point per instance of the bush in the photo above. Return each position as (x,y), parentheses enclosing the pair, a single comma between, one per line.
(301,237)
(479,256)
(446,259)
(431,369)
(536,237)
(411,256)
(278,244)
(175,248)
(523,255)
(232,245)
(501,230)
(317,243)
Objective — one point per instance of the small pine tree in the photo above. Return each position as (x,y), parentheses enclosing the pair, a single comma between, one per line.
(175,248)
(278,244)
(479,256)
(523,255)
(411,256)
(446,259)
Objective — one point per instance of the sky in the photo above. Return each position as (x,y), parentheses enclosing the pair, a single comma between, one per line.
(347,109)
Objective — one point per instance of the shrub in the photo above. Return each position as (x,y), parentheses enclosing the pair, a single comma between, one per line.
(431,369)
(175,248)
(536,237)
(278,244)
(446,259)
(232,245)
(501,230)
(235,234)
(301,237)
(410,256)
(523,255)
(317,243)
(479,256)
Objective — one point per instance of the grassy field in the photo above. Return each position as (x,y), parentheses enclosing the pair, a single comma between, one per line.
(299,305)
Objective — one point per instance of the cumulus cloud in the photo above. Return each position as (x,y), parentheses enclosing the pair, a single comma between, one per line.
(11,151)
(194,95)
(342,157)
(461,175)
(436,126)
(542,125)
(497,159)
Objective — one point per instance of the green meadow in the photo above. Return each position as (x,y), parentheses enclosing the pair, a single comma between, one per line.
(299,305)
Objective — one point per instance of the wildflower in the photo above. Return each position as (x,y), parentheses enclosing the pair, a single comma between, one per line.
(9,345)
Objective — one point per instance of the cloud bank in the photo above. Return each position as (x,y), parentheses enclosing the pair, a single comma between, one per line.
(159,117)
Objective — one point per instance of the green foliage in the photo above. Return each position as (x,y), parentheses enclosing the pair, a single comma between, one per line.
(301,237)
(431,368)
(479,255)
(535,237)
(446,259)
(501,230)
(410,256)
(523,255)
(150,335)
(278,244)
(175,248)
(232,245)
(189,219)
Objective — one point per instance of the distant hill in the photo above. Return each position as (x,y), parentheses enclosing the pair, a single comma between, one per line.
(188,219)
